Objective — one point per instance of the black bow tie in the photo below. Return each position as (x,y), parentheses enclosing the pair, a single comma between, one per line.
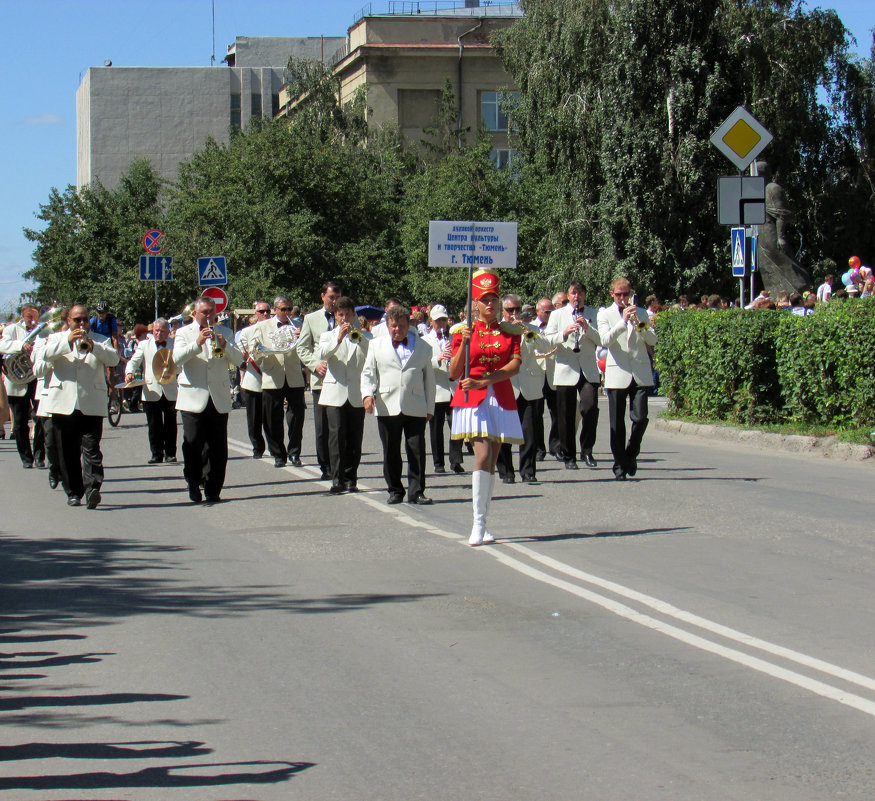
(280,325)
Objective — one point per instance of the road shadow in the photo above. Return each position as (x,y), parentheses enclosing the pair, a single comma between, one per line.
(589,535)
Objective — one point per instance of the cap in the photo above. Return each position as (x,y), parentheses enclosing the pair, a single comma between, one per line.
(437,312)
(102,305)
(483,283)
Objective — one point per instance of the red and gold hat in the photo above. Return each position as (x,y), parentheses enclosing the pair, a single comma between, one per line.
(483,283)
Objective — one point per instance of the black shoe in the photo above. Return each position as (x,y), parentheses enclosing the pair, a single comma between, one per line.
(171,459)
(631,466)
(325,476)
(530,480)
(40,464)
(336,489)
(74,501)
(351,486)
(93,498)
(155,460)
(27,465)
(457,468)
(439,468)
(621,476)
(508,479)
(279,462)
(395,497)
(213,499)
(570,464)
(295,461)
(195,494)
(257,454)
(53,480)
(588,459)
(540,456)
(420,500)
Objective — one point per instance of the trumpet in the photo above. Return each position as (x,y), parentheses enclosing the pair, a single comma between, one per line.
(85,345)
(354,335)
(530,336)
(218,352)
(641,325)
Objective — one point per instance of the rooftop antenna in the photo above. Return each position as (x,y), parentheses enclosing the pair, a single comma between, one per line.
(213,57)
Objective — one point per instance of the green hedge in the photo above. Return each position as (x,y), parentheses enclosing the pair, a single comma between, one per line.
(755,367)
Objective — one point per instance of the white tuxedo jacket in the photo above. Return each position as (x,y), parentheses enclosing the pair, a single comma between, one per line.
(395,390)
(315,324)
(201,377)
(529,381)
(277,369)
(77,378)
(568,364)
(627,352)
(250,378)
(142,360)
(346,360)
(443,387)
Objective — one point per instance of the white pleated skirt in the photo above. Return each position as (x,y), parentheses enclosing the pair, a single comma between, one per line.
(487,421)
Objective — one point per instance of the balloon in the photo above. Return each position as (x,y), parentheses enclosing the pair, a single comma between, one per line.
(854,262)
(602,364)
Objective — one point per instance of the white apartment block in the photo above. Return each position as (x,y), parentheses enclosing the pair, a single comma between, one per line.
(166,114)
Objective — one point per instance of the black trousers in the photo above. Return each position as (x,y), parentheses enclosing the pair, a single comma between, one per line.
(553,444)
(273,401)
(320,421)
(346,426)
(442,417)
(586,395)
(412,429)
(637,399)
(79,457)
(531,413)
(255,420)
(161,422)
(205,439)
(22,407)
(52,454)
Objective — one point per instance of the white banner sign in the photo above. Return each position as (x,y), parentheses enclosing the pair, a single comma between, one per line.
(485,245)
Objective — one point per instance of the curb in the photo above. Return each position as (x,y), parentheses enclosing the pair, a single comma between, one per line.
(829,447)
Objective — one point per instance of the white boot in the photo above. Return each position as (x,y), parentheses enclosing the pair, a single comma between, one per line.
(490,486)
(480,484)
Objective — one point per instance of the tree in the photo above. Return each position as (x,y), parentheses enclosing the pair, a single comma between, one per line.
(619,97)
(90,248)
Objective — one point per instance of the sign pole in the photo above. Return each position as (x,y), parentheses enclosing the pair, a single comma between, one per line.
(754,241)
(468,320)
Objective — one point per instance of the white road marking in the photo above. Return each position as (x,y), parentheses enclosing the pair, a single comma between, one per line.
(628,613)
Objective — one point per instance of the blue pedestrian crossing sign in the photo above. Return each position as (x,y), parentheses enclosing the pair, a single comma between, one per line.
(738,252)
(212,271)
(156,268)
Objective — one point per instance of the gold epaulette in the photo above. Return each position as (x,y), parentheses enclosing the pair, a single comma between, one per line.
(514,329)
(457,328)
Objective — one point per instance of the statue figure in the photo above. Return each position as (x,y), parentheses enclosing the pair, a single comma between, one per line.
(775,263)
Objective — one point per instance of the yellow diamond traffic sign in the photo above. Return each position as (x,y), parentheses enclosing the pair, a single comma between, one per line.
(741,137)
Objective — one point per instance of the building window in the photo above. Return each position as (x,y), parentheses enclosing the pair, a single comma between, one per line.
(235,111)
(255,108)
(502,158)
(491,112)
(274,105)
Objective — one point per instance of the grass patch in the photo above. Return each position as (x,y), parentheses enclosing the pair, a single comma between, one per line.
(859,436)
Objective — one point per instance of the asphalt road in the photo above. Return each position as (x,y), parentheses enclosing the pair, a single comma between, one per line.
(702,632)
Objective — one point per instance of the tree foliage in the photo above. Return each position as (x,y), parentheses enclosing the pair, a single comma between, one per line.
(619,97)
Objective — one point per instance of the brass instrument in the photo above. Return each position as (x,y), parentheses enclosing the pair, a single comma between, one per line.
(85,345)
(354,335)
(188,311)
(641,325)
(530,336)
(19,366)
(218,352)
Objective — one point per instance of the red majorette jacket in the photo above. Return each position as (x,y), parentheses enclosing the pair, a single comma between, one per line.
(492,347)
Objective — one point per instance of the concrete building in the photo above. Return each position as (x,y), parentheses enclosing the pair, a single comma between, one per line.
(405,59)
(166,114)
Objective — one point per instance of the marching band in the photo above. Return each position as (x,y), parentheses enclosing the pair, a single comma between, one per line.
(487,378)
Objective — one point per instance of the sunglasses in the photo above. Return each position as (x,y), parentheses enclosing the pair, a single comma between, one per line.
(79,319)
(513,308)
(262,311)
(284,308)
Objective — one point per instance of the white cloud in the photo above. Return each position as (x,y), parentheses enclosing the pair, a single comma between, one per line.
(44,119)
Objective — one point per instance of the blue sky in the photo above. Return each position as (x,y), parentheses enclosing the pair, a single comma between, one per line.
(50,43)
